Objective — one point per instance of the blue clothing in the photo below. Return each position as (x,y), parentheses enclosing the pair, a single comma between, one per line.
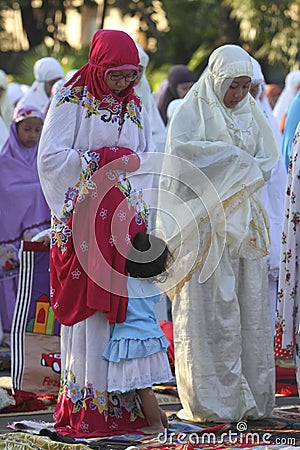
(292,120)
(140,335)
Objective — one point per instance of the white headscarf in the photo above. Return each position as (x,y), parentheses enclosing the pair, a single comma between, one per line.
(263,102)
(291,86)
(4,133)
(45,69)
(221,157)
(143,90)
(15,91)
(6,106)
(274,191)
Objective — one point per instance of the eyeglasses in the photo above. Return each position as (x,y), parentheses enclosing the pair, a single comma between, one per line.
(119,77)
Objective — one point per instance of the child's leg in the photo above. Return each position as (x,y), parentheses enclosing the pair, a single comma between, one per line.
(164,418)
(151,411)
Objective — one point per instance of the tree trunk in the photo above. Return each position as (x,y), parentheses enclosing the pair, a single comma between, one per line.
(35,35)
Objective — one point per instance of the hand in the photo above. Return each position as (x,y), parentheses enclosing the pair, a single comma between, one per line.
(45,240)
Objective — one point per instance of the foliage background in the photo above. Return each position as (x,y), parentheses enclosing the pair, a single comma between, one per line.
(171,31)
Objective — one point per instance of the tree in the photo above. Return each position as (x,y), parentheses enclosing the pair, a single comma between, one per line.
(176,31)
(180,31)
(270,30)
(48,18)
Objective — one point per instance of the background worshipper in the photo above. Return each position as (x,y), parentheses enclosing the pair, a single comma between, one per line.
(57,86)
(180,80)
(6,105)
(274,190)
(223,339)
(143,90)
(46,72)
(23,209)
(15,91)
(291,123)
(136,352)
(288,290)
(291,87)
(103,125)
(3,132)
(159,135)
(272,92)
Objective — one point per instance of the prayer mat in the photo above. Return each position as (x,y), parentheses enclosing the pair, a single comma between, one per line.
(24,441)
(20,402)
(281,431)
(286,383)
(166,394)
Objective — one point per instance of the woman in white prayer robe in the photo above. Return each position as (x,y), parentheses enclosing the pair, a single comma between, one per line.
(47,71)
(219,154)
(275,188)
(6,106)
(143,90)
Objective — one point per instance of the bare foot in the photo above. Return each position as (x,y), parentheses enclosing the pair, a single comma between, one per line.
(153,429)
(164,418)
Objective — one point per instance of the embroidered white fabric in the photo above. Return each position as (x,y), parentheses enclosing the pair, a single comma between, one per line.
(139,373)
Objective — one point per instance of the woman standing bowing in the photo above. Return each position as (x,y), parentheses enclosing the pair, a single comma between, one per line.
(224,360)
(94,122)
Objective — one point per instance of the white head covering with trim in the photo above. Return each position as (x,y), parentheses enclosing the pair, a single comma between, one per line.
(45,70)
(217,160)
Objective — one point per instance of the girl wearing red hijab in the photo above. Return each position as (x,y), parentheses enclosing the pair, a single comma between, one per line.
(95,138)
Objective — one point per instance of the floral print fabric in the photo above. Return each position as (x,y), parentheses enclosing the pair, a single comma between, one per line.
(288,296)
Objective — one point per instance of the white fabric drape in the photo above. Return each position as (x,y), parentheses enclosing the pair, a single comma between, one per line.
(6,105)
(273,193)
(222,326)
(291,87)
(143,90)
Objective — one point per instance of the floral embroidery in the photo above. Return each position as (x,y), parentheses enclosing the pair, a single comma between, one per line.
(287,256)
(288,316)
(86,186)
(60,234)
(84,427)
(122,216)
(75,394)
(84,246)
(295,220)
(78,192)
(67,94)
(99,401)
(76,274)
(134,113)
(108,108)
(293,197)
(103,213)
(115,406)
(111,175)
(135,200)
(112,240)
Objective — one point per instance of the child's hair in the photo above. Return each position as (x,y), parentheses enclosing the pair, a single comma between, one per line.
(148,257)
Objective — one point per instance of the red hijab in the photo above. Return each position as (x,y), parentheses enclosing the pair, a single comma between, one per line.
(110,49)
